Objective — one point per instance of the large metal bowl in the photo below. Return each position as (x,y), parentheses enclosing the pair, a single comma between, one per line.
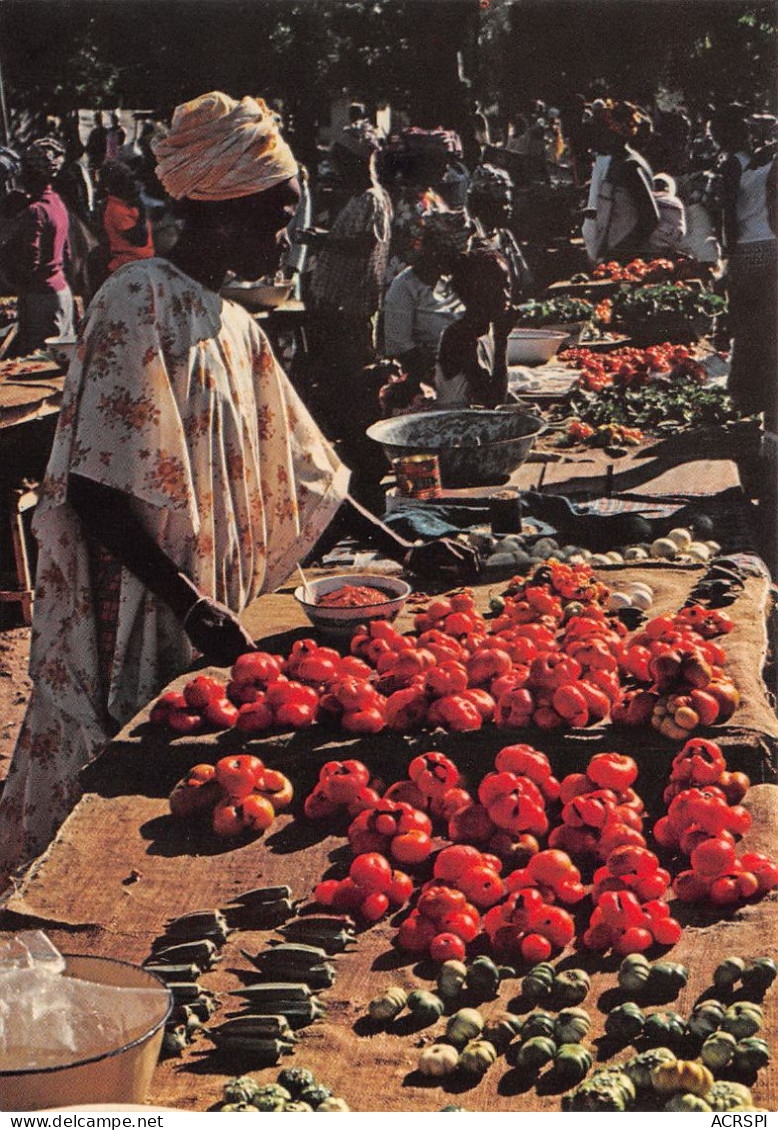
(474,446)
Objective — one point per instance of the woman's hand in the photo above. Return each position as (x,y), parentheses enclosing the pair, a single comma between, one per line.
(216,632)
(444,555)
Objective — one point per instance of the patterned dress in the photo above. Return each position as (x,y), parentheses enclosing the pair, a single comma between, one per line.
(176,399)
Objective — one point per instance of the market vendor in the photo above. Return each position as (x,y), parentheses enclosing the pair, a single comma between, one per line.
(472,367)
(420,303)
(186,475)
(621,212)
(490,204)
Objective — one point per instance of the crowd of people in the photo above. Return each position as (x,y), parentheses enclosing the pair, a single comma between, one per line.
(189,473)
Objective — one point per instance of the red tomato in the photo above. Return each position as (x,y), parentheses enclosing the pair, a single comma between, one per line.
(342,780)
(202,690)
(634,939)
(666,931)
(411,847)
(276,788)
(184,722)
(257,667)
(535,948)
(227,820)
(400,889)
(451,861)
(369,721)
(470,824)
(436,901)
(452,800)
(415,934)
(318,805)
(433,773)
(555,924)
(713,856)
(406,709)
(254,717)
(765,870)
(257,812)
(372,872)
(374,906)
(447,947)
(221,713)
(239,775)
(462,923)
(612,771)
(482,701)
(325,891)
(456,713)
(482,886)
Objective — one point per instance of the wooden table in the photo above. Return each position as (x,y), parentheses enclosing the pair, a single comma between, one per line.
(81,892)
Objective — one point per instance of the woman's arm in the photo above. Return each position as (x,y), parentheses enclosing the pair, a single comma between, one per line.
(108,515)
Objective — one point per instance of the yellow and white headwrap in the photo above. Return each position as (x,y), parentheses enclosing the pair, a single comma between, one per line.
(220,149)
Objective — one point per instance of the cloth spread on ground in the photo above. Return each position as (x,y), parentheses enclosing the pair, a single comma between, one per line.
(174,398)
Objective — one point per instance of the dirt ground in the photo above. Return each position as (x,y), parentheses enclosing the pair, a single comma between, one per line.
(14,689)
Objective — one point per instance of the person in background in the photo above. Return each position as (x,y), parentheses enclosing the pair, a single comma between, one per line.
(126,228)
(490,204)
(420,303)
(294,257)
(186,475)
(347,280)
(472,365)
(749,202)
(97,142)
(416,195)
(115,138)
(37,256)
(621,212)
(698,191)
(667,236)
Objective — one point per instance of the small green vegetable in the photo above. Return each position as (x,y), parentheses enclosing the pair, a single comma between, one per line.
(389,1004)
(724,1095)
(464,1026)
(663,1028)
(502,1028)
(751,1054)
(334,1104)
(728,972)
(687,1102)
(296,1079)
(297,1107)
(571,987)
(572,1062)
(426,1007)
(535,1052)
(705,1019)
(452,976)
(681,1075)
(538,984)
(625,1021)
(759,975)
(483,978)
(538,1024)
(572,1025)
(271,1097)
(667,978)
(315,1095)
(477,1057)
(718,1050)
(742,1019)
(634,972)
(640,1066)
(438,1059)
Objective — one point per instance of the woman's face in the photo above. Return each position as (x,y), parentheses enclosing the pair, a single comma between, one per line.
(255,225)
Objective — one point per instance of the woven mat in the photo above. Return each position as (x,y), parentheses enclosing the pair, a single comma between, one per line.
(79,895)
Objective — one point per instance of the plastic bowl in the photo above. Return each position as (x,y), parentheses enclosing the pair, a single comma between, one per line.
(62,350)
(534,346)
(119,1075)
(343,621)
(474,446)
(258,295)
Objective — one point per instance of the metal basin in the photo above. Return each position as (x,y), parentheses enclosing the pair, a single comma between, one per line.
(475,446)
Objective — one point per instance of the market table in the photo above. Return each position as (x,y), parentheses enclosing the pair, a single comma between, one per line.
(82,891)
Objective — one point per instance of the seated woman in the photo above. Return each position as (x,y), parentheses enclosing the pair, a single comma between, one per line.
(420,303)
(472,367)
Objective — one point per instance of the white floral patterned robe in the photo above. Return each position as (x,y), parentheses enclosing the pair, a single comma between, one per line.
(175,398)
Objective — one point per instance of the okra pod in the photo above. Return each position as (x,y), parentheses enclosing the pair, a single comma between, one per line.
(293,953)
(259,916)
(271,1026)
(299,1013)
(204,1007)
(255,1048)
(328,938)
(202,953)
(319,976)
(268,991)
(185,992)
(207,920)
(261,895)
(174,1040)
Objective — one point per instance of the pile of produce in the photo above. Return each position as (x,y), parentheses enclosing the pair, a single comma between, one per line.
(552,657)
(555,311)
(629,367)
(639,306)
(239,794)
(296,1089)
(637,270)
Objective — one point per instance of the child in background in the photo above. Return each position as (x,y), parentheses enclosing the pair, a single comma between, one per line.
(666,237)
